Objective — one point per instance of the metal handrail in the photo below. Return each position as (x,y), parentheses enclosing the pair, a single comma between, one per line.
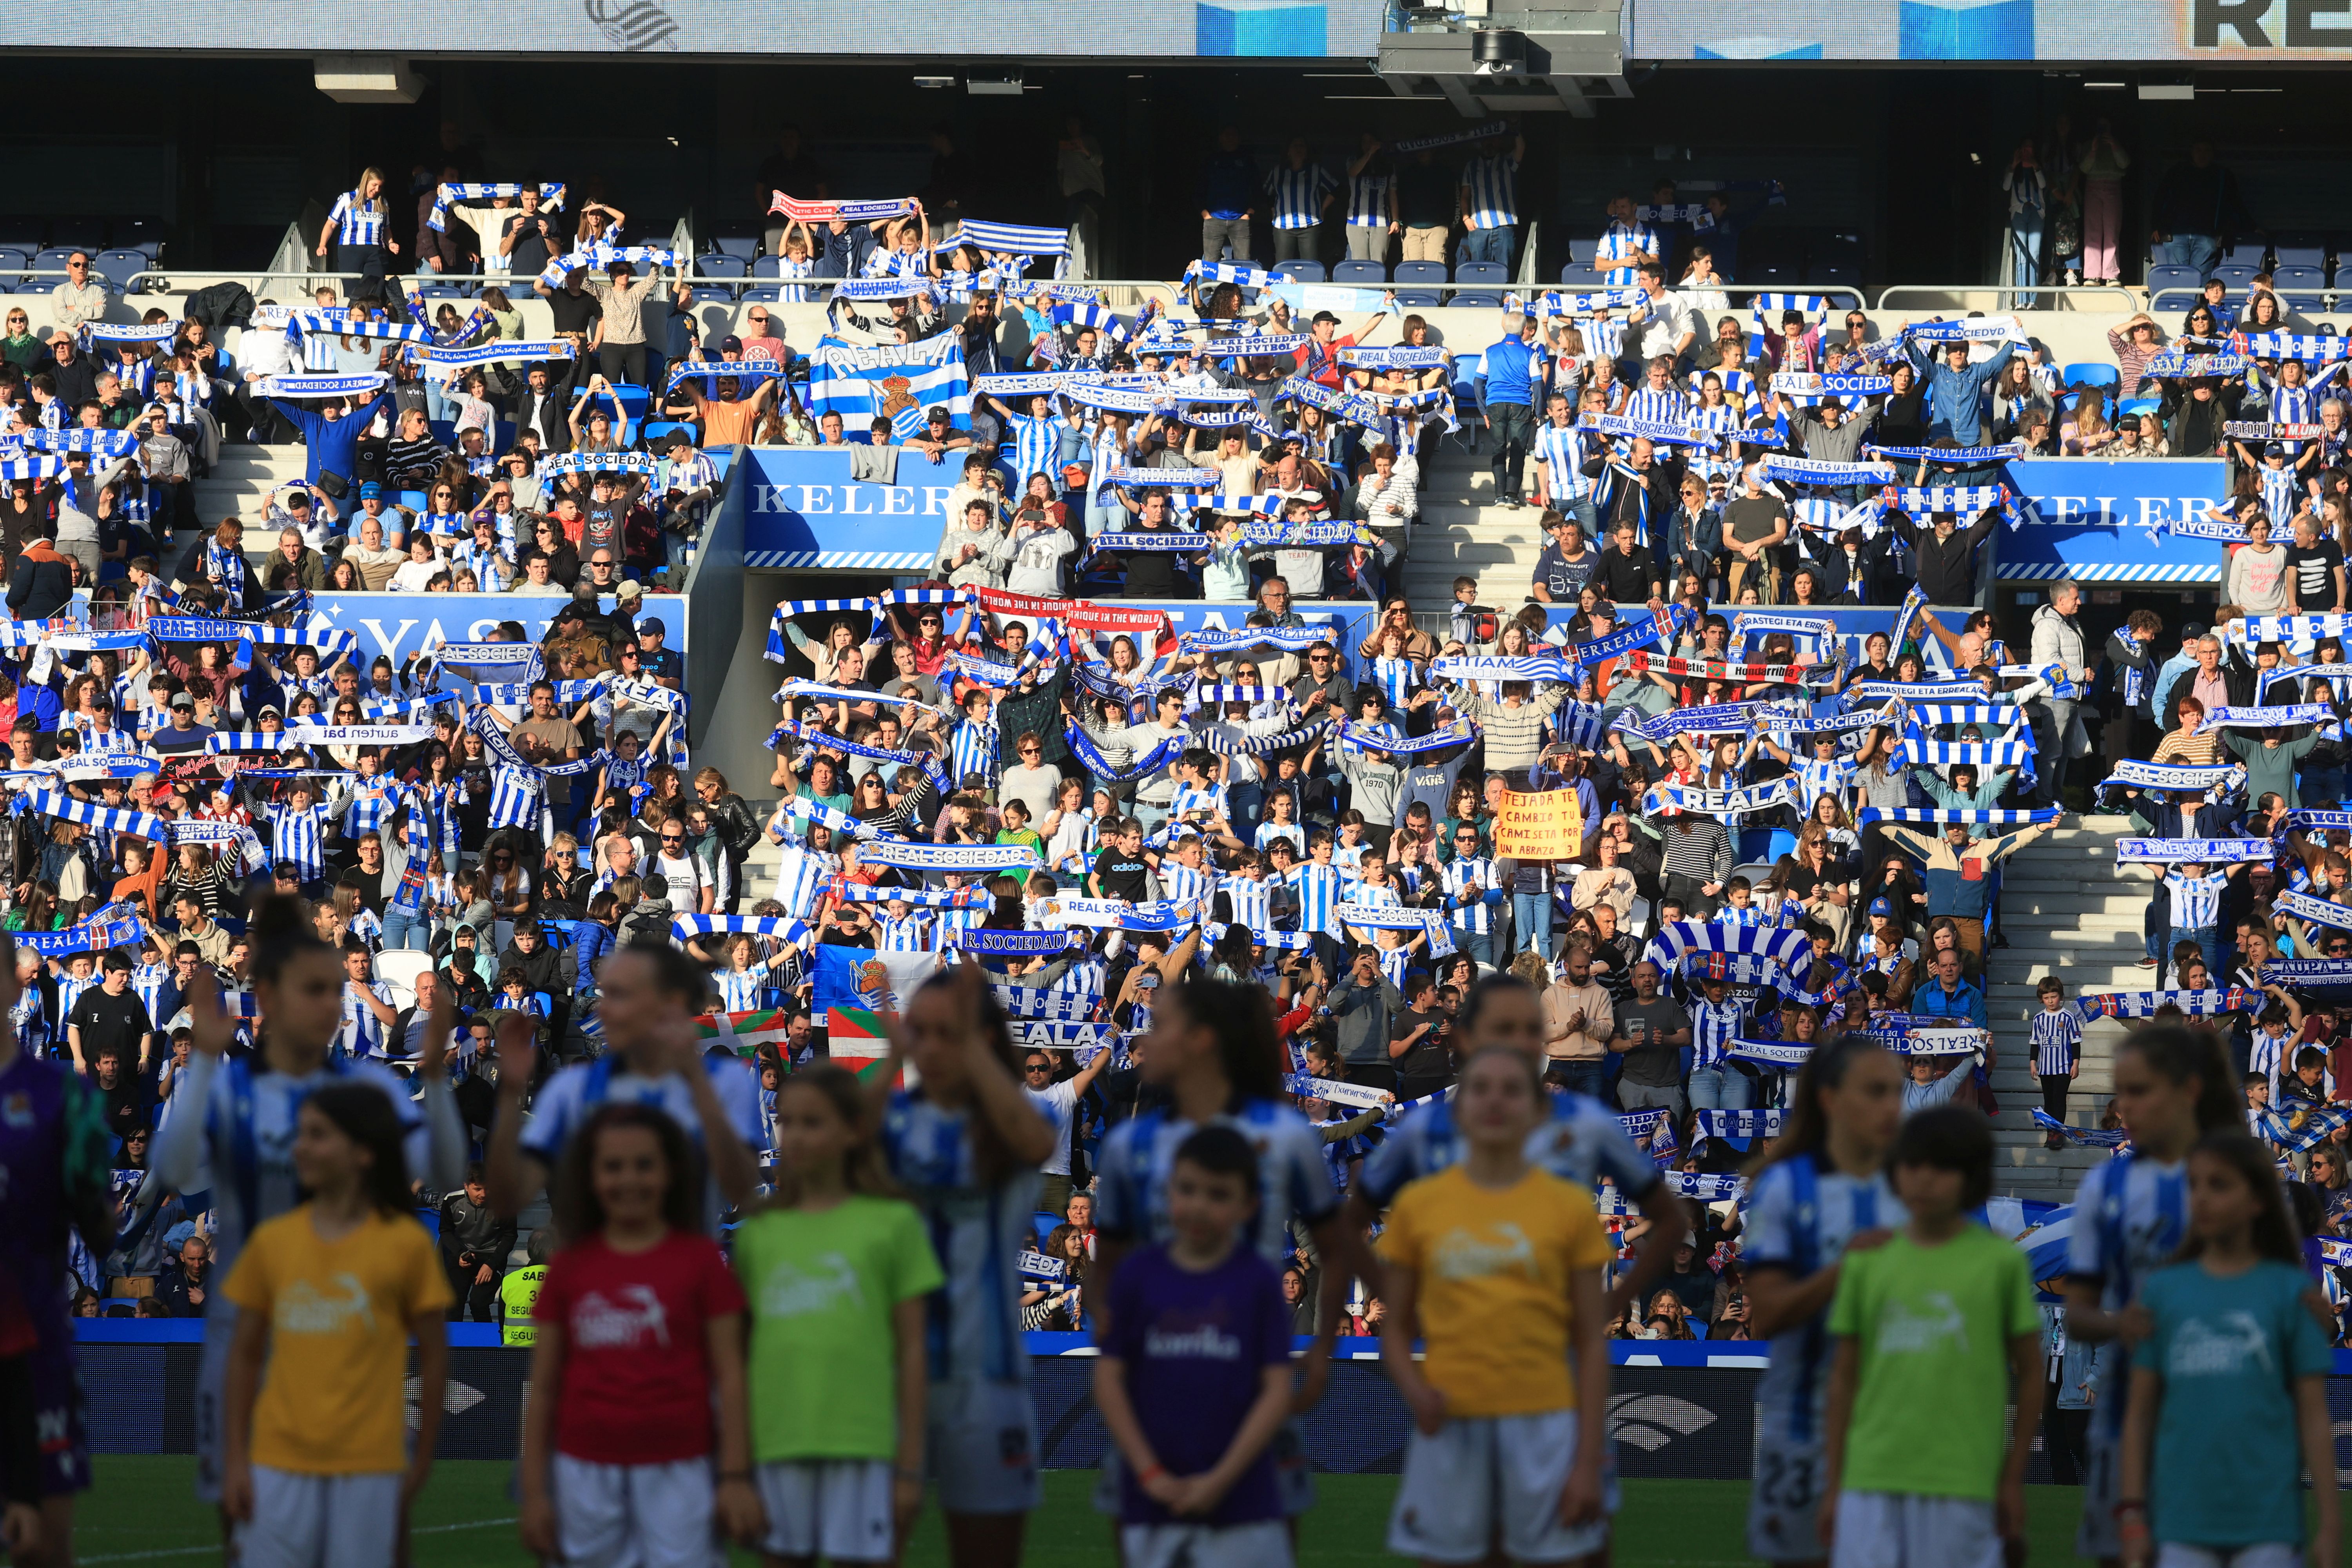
(2130,296)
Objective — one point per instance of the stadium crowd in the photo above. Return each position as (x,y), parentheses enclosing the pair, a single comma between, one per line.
(1134,838)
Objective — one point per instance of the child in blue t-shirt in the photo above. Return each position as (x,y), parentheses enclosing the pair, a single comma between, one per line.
(1194,1379)
(2230,1347)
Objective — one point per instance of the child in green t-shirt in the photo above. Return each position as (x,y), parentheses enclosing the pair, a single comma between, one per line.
(1014,814)
(837,1273)
(2232,1352)
(1931,1326)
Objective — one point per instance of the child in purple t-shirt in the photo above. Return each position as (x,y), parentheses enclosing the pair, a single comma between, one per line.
(1194,1378)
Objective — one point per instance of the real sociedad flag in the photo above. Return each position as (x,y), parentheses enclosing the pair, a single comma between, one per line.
(863,384)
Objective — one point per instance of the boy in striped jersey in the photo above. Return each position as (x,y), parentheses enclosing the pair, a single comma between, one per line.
(2196,896)
(298,829)
(2057,1051)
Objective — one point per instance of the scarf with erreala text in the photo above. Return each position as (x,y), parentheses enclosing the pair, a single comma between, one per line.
(292,387)
(2193,851)
(95,934)
(1641,633)
(2307,346)
(1460,668)
(989,858)
(1958,456)
(843,212)
(2249,630)
(2132,773)
(1822,471)
(1966,817)
(1359,358)
(2171,366)
(1267,745)
(1248,276)
(1770,796)
(551,197)
(2144,1004)
(987,943)
(1291,640)
(1162,755)
(1657,434)
(1683,668)
(504,352)
(2280,717)
(1479,133)
(2315,912)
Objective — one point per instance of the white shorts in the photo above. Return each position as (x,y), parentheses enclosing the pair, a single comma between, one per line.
(2262,1554)
(982,1444)
(1265,1544)
(1483,1477)
(212,1386)
(1899,1529)
(635,1516)
(320,1522)
(836,1508)
(1784,1505)
(2097,1537)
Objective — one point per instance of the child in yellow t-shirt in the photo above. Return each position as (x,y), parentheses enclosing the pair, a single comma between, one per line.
(1497,1263)
(319,1469)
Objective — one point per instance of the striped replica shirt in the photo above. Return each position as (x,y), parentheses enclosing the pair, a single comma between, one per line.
(1614,254)
(1249,901)
(517,795)
(69,991)
(364,1033)
(1319,895)
(2271,1056)
(371,806)
(2131,1215)
(1299,194)
(1493,184)
(948,924)
(2057,1039)
(148,980)
(1666,405)
(794,293)
(903,933)
(1604,339)
(2281,489)
(1713,1026)
(1368,199)
(1396,678)
(1560,449)
(1036,444)
(1472,913)
(296,837)
(1748,916)
(971,749)
(1183,884)
(801,876)
(1192,802)
(359,222)
(1395,964)
(2195,901)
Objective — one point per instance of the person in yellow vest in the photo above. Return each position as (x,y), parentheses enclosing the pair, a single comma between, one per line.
(519,1290)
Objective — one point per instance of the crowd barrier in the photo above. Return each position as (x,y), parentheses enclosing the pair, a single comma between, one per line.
(1676,1410)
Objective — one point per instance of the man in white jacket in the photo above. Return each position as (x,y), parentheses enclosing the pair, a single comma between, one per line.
(2058,639)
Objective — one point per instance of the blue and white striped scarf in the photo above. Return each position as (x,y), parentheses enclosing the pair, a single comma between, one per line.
(1800,723)
(46,467)
(2301,629)
(1082,745)
(1769,796)
(2306,346)
(1785,1054)
(550,198)
(2338,676)
(1937,715)
(2227,718)
(1171,479)
(2015,755)
(1292,639)
(1648,430)
(600,257)
(2144,1004)
(2317,911)
(1459,667)
(793,932)
(1980,330)
(1958,457)
(2132,773)
(2319,1121)
(2194,851)
(1099,318)
(1555,303)
(1375,739)
(292,387)
(53,802)
(1226,505)
(1030,384)
(1959,500)
(1265,745)
(2091,1137)
(338,325)
(1714,719)
(1789,948)
(1009,238)
(1979,817)
(1773,304)
(1202,695)
(1248,276)
(107,444)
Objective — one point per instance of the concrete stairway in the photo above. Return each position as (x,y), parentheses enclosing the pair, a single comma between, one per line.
(240,484)
(1462,532)
(2066,912)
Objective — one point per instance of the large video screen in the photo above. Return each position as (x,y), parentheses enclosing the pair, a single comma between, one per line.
(1266,29)
(2217,32)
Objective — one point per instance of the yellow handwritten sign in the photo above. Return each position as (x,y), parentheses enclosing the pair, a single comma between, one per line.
(1546,826)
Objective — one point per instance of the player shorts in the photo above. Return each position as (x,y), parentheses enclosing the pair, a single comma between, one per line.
(212,1387)
(1263,1544)
(1898,1530)
(1784,1504)
(2096,1537)
(1294,1475)
(59,1419)
(2262,1554)
(320,1522)
(838,1509)
(983,1444)
(1484,1477)
(633,1516)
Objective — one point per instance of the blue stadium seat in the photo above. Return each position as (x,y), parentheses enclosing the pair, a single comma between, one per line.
(13,262)
(746,245)
(1578,275)
(635,400)
(1833,275)
(1360,272)
(1419,272)
(2299,250)
(2166,275)
(444,431)
(53,259)
(1581,249)
(762,293)
(2090,373)
(2301,281)
(415,500)
(765,266)
(503,430)
(658,428)
(718,264)
(444,291)
(1300,271)
(2238,275)
(1418,298)
(2138,405)
(120,267)
(1481,272)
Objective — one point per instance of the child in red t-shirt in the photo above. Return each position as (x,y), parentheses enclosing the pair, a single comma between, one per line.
(640,1326)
